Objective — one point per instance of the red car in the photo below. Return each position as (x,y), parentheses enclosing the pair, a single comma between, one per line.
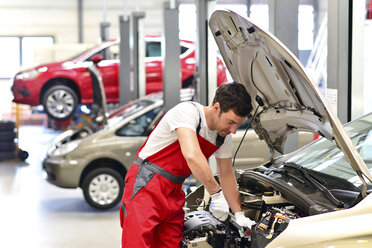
(60,87)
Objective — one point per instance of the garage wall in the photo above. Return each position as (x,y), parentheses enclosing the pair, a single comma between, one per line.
(60,18)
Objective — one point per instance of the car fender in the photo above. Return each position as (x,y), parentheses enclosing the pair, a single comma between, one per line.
(344,228)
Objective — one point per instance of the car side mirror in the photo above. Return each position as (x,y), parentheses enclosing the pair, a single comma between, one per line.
(97,58)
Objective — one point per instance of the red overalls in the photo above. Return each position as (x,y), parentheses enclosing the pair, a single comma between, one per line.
(153,216)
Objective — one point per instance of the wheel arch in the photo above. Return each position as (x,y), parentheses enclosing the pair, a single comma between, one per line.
(60,81)
(103,163)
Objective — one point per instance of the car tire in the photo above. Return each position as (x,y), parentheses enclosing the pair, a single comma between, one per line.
(103,188)
(7,136)
(7,155)
(60,102)
(7,147)
(7,126)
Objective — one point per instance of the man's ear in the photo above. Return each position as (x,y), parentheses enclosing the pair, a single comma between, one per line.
(216,107)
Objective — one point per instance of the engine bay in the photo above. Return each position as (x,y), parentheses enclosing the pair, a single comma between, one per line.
(201,229)
(266,201)
(270,210)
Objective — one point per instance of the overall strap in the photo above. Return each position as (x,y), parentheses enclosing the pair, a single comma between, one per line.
(199,125)
(157,169)
(219,139)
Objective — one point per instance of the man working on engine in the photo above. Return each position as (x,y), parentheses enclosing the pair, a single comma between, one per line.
(151,213)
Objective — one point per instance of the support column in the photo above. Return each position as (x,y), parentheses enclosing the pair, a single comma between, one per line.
(339,56)
(104,26)
(125,84)
(171,61)
(80,21)
(357,61)
(139,84)
(105,31)
(206,68)
(283,23)
(249,4)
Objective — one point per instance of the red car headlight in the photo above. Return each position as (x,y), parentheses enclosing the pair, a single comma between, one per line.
(31,74)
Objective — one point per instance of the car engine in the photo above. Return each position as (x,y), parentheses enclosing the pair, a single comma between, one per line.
(260,203)
(201,229)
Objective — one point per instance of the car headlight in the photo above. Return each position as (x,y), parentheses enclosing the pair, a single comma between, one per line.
(31,74)
(65,148)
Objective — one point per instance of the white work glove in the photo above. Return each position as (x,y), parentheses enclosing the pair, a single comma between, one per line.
(242,220)
(219,207)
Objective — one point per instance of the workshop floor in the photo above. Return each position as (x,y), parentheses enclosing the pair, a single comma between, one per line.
(34,213)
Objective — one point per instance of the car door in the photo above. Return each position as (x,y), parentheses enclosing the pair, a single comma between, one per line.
(109,70)
(153,61)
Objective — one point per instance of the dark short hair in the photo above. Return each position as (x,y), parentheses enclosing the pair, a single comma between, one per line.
(233,96)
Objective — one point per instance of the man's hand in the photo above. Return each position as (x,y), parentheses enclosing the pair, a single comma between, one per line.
(219,207)
(242,220)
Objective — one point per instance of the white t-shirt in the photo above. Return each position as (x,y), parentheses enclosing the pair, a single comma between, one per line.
(185,114)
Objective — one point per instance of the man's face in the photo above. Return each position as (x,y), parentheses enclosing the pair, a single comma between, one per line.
(228,122)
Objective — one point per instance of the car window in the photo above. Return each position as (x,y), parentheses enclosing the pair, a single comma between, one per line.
(127,111)
(153,49)
(324,156)
(108,53)
(138,126)
(366,150)
(184,49)
(79,54)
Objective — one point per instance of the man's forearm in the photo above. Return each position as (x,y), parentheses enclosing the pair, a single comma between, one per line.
(229,184)
(231,192)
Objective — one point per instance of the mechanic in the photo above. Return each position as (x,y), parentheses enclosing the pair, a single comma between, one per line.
(151,213)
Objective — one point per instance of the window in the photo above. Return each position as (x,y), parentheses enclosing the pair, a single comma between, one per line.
(153,49)
(10,52)
(140,125)
(184,49)
(305,27)
(324,156)
(108,53)
(29,47)
(260,14)
(19,51)
(128,110)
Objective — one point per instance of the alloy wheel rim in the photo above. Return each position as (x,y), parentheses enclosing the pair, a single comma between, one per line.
(60,103)
(104,189)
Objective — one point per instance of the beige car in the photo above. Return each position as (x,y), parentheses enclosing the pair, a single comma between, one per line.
(98,161)
(317,196)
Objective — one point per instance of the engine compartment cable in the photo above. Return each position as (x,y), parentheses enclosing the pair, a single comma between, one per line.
(246,130)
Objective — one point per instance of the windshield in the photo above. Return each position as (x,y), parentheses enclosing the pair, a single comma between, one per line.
(324,156)
(79,54)
(127,110)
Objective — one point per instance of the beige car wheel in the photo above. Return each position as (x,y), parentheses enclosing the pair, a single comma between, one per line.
(103,188)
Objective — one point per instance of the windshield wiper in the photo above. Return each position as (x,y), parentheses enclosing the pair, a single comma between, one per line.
(315,181)
(285,172)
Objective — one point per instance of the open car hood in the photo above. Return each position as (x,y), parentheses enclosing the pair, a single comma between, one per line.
(290,101)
